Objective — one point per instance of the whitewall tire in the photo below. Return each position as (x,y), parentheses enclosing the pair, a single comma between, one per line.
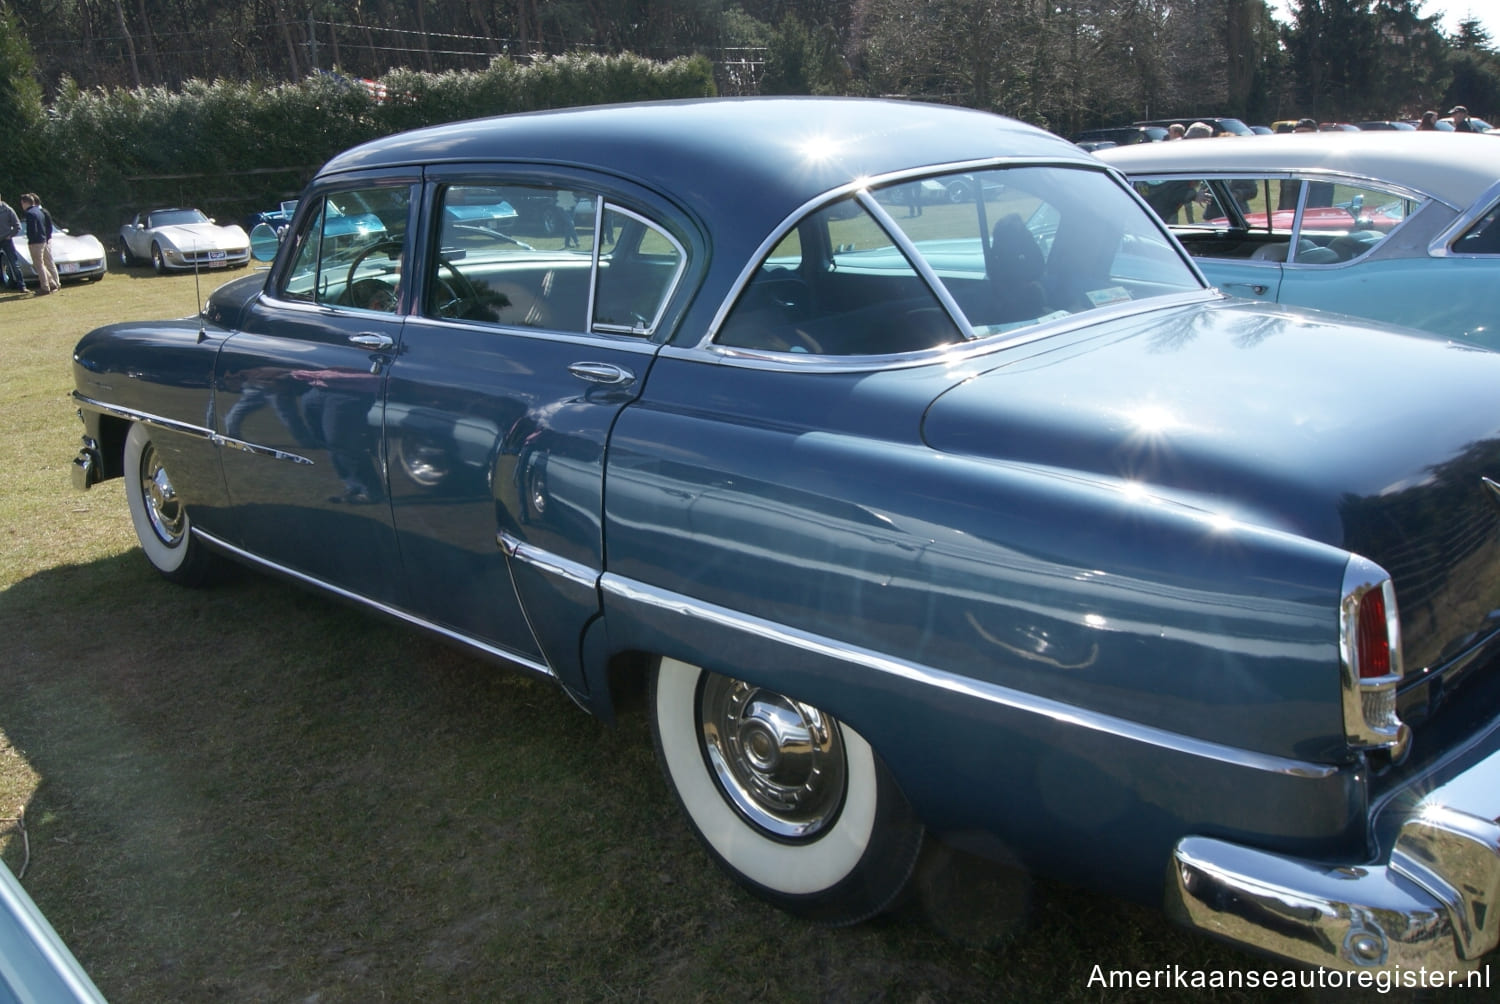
(159,515)
(794,804)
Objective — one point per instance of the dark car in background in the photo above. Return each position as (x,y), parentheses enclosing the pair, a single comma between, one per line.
(1218,124)
(1096,139)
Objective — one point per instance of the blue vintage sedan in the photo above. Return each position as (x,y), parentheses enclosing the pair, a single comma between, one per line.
(1388,226)
(993,524)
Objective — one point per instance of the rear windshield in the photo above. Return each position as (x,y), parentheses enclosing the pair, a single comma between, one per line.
(938,260)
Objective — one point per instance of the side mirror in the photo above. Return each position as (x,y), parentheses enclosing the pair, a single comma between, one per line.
(264,242)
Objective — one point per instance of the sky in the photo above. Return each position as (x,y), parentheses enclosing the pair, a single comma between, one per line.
(1486,12)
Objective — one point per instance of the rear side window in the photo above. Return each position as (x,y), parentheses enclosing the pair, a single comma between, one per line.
(1483,237)
(1302,222)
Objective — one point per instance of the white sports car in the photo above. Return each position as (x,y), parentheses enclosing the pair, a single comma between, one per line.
(77,257)
(182,239)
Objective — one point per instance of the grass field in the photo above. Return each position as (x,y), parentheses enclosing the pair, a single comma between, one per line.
(249,793)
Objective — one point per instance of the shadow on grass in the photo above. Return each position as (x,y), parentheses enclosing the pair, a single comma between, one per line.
(248,793)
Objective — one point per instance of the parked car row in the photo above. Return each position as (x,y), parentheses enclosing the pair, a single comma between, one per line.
(993,523)
(1155,130)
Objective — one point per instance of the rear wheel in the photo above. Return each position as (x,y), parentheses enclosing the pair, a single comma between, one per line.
(160,518)
(794,804)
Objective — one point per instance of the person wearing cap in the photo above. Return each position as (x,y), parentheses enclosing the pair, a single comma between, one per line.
(1461,119)
(1305,125)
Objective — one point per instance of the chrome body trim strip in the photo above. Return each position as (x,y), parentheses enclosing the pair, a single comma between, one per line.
(384,608)
(187,429)
(131,415)
(545,561)
(980,690)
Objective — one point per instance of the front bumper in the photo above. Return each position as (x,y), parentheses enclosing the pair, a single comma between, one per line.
(1434,901)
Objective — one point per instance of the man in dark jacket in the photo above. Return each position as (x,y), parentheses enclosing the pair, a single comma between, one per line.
(39,239)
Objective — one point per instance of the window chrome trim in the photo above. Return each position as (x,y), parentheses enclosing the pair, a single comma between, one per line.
(919,261)
(1442,244)
(402,615)
(950,355)
(667,295)
(989,693)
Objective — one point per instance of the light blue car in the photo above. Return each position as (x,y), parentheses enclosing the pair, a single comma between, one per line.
(1395,227)
(35,965)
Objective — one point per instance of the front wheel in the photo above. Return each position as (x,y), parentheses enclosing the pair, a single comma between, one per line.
(158,260)
(160,518)
(794,804)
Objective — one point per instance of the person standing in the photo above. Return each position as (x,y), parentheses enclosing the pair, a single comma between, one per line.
(1429,122)
(10,226)
(39,238)
(1461,121)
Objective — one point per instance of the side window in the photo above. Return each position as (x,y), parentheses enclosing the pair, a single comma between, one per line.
(350,252)
(639,265)
(513,255)
(838,285)
(1341,222)
(1483,237)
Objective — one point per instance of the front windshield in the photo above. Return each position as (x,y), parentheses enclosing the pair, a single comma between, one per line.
(177,218)
(1008,248)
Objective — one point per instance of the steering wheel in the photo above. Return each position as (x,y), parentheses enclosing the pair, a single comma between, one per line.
(456,296)
(370,292)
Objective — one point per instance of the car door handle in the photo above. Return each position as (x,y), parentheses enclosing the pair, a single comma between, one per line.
(371,340)
(1258,288)
(602,373)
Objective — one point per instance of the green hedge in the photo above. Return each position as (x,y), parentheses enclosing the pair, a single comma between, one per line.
(234,148)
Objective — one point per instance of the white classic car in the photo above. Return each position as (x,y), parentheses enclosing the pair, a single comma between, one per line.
(78,256)
(174,239)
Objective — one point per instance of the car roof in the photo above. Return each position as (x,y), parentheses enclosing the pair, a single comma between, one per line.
(742,157)
(1453,168)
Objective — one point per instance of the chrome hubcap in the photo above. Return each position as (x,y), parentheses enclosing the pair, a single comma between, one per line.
(163,508)
(778,761)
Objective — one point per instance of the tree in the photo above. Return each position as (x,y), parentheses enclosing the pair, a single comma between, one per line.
(20,104)
(1471,36)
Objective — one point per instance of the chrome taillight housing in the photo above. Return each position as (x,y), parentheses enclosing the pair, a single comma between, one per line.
(1370,659)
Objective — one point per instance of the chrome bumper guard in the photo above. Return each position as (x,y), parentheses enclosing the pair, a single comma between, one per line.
(86,466)
(1434,903)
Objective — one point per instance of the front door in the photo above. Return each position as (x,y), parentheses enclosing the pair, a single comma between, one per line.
(299,394)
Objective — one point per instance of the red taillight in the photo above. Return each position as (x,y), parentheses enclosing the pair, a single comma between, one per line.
(1373,641)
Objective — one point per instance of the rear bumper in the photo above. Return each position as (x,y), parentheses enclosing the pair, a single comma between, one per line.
(1434,901)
